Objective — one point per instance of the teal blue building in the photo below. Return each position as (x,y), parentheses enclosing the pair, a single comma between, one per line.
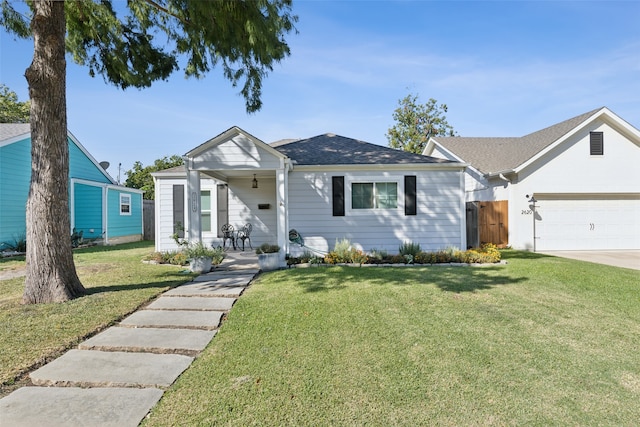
(98,207)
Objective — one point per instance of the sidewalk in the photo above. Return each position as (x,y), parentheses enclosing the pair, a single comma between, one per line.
(117,376)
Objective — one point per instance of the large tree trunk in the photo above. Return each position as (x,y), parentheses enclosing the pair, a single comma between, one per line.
(51,274)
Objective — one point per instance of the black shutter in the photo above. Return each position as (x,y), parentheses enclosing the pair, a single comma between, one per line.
(410,205)
(596,140)
(223,207)
(178,210)
(337,184)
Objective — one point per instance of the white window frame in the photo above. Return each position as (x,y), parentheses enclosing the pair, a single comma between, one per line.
(398,180)
(125,200)
(206,211)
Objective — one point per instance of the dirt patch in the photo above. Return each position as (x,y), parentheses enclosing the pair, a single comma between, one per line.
(12,273)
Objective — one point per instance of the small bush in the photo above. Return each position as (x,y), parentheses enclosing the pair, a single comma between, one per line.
(19,244)
(396,259)
(177,258)
(343,252)
(267,248)
(342,249)
(377,255)
(358,257)
(168,257)
(409,248)
(424,258)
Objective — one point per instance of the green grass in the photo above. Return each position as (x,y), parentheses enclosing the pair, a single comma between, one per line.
(117,283)
(540,341)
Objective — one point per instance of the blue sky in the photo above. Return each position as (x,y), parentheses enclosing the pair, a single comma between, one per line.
(503,69)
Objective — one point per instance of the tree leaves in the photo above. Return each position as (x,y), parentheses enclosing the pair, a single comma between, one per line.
(145,41)
(140,176)
(416,123)
(11,110)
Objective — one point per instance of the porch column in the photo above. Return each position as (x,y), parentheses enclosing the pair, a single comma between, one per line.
(193,205)
(282,190)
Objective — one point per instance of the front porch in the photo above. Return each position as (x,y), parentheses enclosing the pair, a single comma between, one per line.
(251,188)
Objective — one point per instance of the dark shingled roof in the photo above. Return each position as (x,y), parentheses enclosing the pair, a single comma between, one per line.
(491,155)
(330,149)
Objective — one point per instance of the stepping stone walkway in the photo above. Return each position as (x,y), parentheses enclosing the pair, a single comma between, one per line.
(117,376)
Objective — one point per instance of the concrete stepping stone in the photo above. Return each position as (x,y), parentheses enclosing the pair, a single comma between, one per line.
(228,280)
(192,303)
(90,368)
(208,320)
(152,340)
(72,406)
(204,289)
(249,272)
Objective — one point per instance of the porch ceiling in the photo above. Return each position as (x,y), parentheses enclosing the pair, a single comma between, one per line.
(224,175)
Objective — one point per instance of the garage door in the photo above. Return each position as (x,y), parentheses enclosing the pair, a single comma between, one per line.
(588,223)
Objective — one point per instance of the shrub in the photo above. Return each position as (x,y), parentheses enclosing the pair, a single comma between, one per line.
(267,248)
(342,249)
(19,244)
(358,257)
(409,248)
(332,258)
(423,258)
(343,252)
(397,259)
(491,251)
(377,255)
(169,257)
(198,249)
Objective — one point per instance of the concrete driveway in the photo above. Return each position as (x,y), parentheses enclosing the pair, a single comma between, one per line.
(625,259)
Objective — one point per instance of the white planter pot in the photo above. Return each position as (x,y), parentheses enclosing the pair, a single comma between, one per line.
(269,262)
(200,265)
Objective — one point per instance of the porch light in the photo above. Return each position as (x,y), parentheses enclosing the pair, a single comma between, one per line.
(254,183)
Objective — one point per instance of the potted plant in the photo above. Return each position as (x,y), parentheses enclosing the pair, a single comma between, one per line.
(268,257)
(201,258)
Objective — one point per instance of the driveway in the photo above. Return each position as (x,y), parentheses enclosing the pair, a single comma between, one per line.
(626,259)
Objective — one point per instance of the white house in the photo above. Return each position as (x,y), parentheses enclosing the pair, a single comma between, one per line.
(326,188)
(583,173)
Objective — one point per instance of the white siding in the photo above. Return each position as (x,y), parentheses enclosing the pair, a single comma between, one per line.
(164,212)
(570,169)
(243,208)
(239,153)
(437,225)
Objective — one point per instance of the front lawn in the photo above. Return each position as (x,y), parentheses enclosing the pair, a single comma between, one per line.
(117,283)
(540,341)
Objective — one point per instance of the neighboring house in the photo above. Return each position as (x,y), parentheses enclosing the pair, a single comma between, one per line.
(98,207)
(327,188)
(583,173)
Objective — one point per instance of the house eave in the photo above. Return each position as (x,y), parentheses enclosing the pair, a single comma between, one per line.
(386,167)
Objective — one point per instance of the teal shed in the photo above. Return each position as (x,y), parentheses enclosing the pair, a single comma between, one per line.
(99,208)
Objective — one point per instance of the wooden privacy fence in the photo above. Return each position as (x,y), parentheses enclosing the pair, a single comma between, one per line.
(148,218)
(488,222)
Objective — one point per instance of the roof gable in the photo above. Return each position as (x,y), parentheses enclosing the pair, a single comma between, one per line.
(239,136)
(331,149)
(14,132)
(496,155)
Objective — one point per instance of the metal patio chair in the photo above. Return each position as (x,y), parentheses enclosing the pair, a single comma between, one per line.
(245,234)
(228,233)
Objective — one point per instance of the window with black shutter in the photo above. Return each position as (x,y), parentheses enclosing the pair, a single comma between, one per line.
(596,143)
(337,186)
(178,210)
(410,206)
